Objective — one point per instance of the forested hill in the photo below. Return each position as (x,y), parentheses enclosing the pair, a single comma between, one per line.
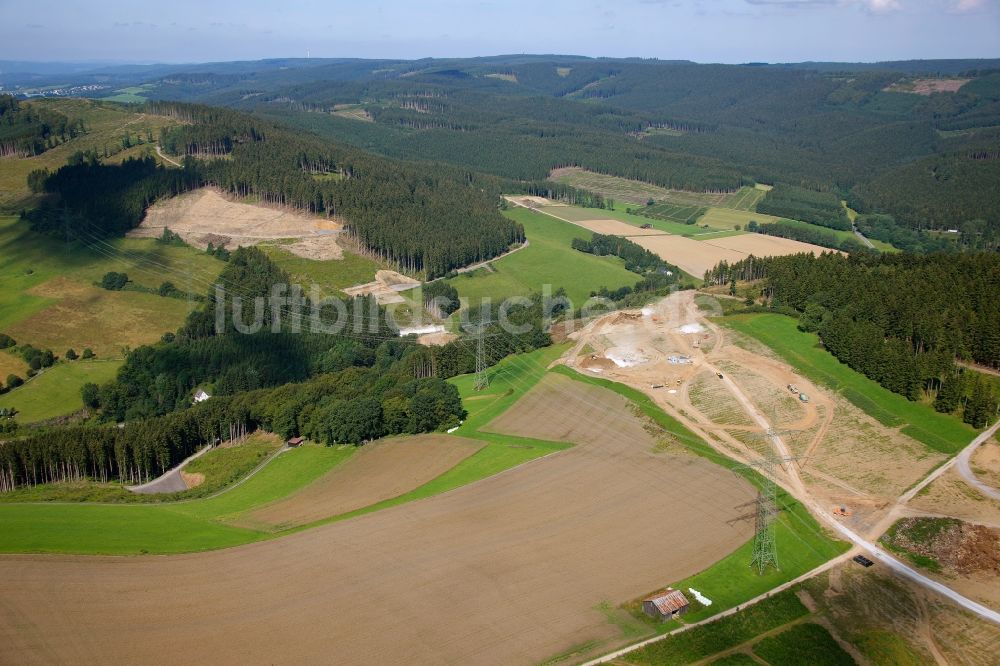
(876,134)
(423,220)
(26,131)
(825,126)
(902,320)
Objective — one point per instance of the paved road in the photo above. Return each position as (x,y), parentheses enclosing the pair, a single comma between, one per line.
(863,238)
(962,460)
(876,551)
(826,566)
(170,481)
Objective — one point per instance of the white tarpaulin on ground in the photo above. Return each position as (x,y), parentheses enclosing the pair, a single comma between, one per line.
(702,599)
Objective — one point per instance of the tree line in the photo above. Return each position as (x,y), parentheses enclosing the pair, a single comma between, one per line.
(348,407)
(812,234)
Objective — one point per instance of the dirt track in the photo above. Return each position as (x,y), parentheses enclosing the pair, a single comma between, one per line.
(510,570)
(377,472)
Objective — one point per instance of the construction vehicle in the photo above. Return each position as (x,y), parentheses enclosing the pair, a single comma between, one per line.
(841,511)
(793,388)
(719,374)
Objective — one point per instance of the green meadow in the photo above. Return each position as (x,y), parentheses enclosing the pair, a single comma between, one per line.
(55,391)
(548,259)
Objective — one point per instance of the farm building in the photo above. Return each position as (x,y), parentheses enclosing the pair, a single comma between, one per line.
(666,606)
(201,396)
(295,441)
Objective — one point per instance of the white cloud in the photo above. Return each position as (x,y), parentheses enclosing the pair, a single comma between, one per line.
(882,6)
(963,6)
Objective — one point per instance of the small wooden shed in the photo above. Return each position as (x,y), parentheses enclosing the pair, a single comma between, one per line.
(295,441)
(666,606)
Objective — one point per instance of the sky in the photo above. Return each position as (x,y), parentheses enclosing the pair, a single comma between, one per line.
(730,31)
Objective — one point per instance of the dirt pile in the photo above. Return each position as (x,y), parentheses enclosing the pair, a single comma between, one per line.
(956,545)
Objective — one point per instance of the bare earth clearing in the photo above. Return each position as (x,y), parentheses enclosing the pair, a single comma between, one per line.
(511,569)
(697,256)
(847,457)
(928,86)
(205,216)
(385,287)
(378,471)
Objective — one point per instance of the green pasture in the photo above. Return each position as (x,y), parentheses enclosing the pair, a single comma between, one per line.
(330,276)
(548,259)
(55,391)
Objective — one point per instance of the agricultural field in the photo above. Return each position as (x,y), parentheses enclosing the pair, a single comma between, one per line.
(377,472)
(213,523)
(692,248)
(11,364)
(806,644)
(801,543)
(56,390)
(846,615)
(723,635)
(839,234)
(685,214)
(747,198)
(330,276)
(408,545)
(579,215)
(131,94)
(547,259)
(697,256)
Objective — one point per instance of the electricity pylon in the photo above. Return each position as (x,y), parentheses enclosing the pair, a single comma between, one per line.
(482,380)
(765,553)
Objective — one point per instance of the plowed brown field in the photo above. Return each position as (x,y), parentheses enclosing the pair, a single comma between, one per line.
(377,472)
(508,570)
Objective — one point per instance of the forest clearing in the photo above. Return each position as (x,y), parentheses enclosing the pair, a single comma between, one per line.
(206,216)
